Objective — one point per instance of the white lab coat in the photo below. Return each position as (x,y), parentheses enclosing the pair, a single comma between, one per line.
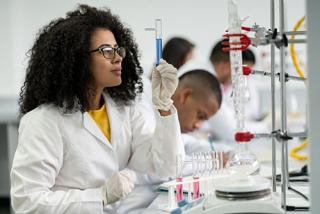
(222,125)
(253,110)
(62,160)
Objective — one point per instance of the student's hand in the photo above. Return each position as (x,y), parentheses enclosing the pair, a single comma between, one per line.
(164,84)
(118,186)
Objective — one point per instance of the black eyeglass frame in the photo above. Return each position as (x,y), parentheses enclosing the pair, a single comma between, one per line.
(114,50)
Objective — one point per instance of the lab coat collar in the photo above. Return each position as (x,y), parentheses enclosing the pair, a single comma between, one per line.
(94,129)
(115,117)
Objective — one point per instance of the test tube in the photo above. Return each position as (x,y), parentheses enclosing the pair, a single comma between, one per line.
(217,162)
(202,172)
(158,34)
(220,161)
(171,201)
(158,29)
(210,163)
(195,169)
(189,192)
(179,167)
(210,168)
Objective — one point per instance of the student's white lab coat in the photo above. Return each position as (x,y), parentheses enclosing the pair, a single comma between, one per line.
(62,160)
(252,108)
(222,125)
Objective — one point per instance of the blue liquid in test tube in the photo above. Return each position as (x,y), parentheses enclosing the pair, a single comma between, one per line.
(159,50)
(158,28)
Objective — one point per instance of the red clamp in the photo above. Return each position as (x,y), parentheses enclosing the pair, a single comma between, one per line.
(244,28)
(243,136)
(244,42)
(246,70)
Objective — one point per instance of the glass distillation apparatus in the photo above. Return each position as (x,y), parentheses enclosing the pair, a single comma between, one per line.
(243,161)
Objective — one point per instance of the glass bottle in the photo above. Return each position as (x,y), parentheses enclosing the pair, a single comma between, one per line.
(243,162)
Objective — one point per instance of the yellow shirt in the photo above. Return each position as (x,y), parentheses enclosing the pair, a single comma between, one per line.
(100,116)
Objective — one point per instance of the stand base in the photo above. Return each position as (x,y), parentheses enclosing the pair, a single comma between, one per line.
(267,205)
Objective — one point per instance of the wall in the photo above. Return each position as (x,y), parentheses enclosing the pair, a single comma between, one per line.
(203,22)
(7,76)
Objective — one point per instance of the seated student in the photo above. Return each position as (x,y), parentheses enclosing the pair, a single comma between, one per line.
(222,125)
(196,99)
(220,61)
(177,51)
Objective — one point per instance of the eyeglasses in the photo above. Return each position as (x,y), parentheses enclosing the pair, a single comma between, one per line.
(109,52)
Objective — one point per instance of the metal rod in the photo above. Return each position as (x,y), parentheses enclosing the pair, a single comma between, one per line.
(288,33)
(296,41)
(273,103)
(263,73)
(277,134)
(288,77)
(298,134)
(284,147)
(297,78)
(290,41)
(263,135)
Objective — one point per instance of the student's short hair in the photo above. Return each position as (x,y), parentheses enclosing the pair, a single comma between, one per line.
(176,50)
(248,56)
(218,55)
(202,82)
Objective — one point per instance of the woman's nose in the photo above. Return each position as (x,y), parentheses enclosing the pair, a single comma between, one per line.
(117,59)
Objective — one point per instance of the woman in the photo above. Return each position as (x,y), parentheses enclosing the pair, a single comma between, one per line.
(85,119)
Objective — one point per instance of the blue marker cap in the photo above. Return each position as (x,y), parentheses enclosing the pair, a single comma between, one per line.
(176,211)
(182,203)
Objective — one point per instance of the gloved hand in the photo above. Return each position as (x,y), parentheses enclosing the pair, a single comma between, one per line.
(164,84)
(118,186)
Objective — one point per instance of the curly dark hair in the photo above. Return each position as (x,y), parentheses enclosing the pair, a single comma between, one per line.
(58,70)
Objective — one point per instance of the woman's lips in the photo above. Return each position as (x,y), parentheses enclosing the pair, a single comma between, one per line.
(117,72)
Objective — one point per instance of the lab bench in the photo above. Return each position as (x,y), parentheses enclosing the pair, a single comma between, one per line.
(162,199)
(262,149)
